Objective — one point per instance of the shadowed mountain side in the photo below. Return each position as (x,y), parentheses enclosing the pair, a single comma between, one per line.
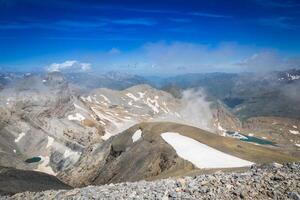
(14,181)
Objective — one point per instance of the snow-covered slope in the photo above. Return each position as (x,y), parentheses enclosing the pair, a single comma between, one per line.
(201,155)
(118,110)
(115,110)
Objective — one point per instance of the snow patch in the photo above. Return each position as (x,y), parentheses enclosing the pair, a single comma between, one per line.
(73,155)
(105,98)
(142,94)
(132,97)
(294,126)
(294,132)
(153,105)
(220,128)
(106,136)
(76,117)
(237,135)
(20,137)
(201,155)
(297,145)
(137,135)
(89,98)
(79,107)
(177,114)
(293,77)
(140,107)
(49,142)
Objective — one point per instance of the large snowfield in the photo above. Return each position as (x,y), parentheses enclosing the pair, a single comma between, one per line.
(201,155)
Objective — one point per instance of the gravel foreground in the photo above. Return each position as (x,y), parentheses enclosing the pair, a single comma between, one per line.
(273,181)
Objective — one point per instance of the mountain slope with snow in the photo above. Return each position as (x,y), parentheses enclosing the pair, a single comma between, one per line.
(144,151)
(51,126)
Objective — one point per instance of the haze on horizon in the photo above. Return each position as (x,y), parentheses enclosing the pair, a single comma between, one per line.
(149,38)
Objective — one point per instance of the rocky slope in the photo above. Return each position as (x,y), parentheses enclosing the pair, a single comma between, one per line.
(34,124)
(285,132)
(273,181)
(14,181)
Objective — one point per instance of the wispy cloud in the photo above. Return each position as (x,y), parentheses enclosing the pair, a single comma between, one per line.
(278,22)
(69,65)
(134,21)
(210,15)
(180,20)
(113,7)
(268,60)
(181,57)
(73,25)
(175,58)
(140,10)
(57,25)
(16,25)
(79,24)
(103,38)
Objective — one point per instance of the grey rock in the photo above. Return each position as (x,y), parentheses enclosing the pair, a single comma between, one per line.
(294,195)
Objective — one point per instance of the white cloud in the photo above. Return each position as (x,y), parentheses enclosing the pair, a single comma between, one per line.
(175,58)
(183,57)
(269,60)
(69,65)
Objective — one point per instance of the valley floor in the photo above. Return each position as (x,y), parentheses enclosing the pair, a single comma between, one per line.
(272,181)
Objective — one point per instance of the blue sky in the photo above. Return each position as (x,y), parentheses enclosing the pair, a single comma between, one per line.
(150,37)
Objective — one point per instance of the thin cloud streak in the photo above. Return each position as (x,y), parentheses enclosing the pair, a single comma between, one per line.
(180,20)
(72,25)
(210,15)
(135,21)
(278,22)
(58,25)
(146,10)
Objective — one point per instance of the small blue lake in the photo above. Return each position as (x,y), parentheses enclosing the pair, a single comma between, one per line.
(33,160)
(252,139)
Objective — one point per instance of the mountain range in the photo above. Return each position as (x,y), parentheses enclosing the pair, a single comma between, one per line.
(88,129)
